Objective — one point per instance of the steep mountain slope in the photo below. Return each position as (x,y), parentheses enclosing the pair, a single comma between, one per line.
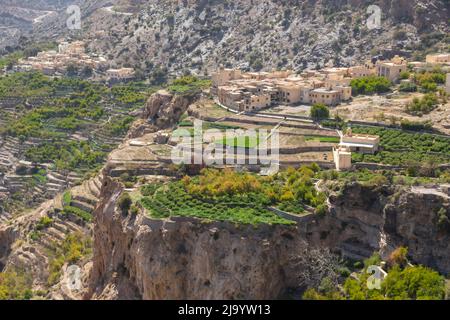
(200,35)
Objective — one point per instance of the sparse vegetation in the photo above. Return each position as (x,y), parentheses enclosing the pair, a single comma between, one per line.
(74,247)
(423,106)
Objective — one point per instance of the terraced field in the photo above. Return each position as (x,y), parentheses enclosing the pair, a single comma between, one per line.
(61,128)
(400,147)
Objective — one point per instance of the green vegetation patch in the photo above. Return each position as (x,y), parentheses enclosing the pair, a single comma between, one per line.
(15,286)
(74,247)
(242,198)
(370,85)
(241,142)
(188,84)
(86,216)
(323,139)
(400,147)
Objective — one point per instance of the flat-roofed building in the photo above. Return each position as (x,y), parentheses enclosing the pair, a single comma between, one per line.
(248,98)
(342,158)
(438,58)
(222,76)
(366,70)
(362,143)
(392,69)
(324,96)
(122,74)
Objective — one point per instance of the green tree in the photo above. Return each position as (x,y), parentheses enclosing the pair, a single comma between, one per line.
(419,283)
(319,111)
(370,85)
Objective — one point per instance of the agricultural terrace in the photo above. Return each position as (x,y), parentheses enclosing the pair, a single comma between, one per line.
(72,122)
(243,198)
(401,148)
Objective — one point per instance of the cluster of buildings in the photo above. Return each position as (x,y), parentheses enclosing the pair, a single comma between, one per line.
(56,62)
(72,54)
(256,90)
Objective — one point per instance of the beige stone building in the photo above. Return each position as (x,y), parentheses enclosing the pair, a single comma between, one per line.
(368,69)
(392,69)
(222,76)
(121,74)
(342,158)
(53,62)
(325,96)
(363,143)
(438,58)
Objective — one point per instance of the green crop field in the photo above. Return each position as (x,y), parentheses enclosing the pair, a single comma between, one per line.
(400,147)
(236,197)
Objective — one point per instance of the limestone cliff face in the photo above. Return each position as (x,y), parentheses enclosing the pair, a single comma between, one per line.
(162,110)
(367,219)
(136,257)
(7,237)
(139,257)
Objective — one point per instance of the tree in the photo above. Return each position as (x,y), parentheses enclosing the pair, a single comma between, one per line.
(419,283)
(87,72)
(370,85)
(72,70)
(125,202)
(398,257)
(319,111)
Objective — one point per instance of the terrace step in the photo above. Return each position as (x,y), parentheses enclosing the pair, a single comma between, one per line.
(82,205)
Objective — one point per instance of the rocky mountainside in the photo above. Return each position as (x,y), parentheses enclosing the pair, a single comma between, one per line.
(134,256)
(179,258)
(365,219)
(200,35)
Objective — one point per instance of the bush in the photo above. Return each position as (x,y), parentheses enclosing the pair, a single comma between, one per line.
(423,106)
(321,210)
(415,125)
(125,202)
(408,87)
(44,222)
(398,257)
(419,283)
(443,220)
(319,111)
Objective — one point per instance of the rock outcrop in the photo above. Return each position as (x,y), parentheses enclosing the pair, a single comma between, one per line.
(144,258)
(136,257)
(365,219)
(161,111)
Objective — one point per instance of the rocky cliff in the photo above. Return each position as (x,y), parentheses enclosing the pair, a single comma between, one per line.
(144,258)
(364,219)
(161,111)
(136,257)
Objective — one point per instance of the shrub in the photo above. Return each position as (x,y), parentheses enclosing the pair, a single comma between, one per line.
(398,257)
(125,202)
(443,220)
(321,210)
(44,222)
(415,125)
(419,283)
(319,111)
(423,106)
(408,87)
